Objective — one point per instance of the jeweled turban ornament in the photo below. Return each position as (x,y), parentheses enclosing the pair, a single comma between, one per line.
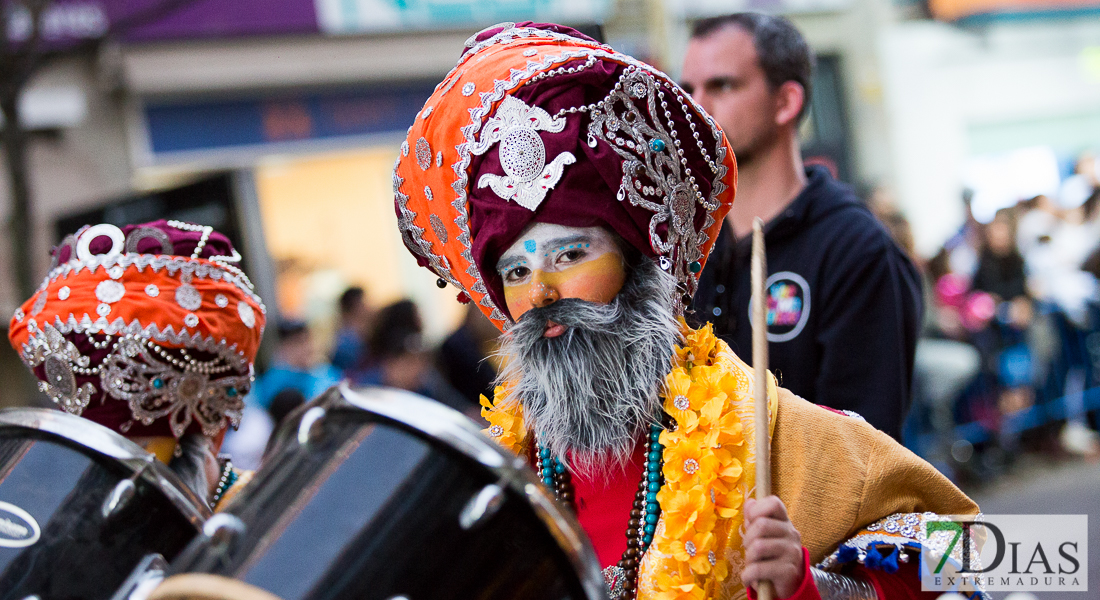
(150,329)
(541,123)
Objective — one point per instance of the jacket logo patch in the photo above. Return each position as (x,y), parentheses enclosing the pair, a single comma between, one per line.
(788,296)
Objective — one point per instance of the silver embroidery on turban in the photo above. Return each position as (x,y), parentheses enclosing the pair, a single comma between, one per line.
(527,176)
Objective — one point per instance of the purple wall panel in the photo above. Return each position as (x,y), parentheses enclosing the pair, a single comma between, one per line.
(220,18)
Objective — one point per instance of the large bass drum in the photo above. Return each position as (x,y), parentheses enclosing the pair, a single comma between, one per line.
(382,494)
(82,507)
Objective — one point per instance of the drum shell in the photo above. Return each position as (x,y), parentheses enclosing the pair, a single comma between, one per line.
(57,472)
(355,503)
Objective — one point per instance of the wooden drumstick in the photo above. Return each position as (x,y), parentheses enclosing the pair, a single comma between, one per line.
(764,589)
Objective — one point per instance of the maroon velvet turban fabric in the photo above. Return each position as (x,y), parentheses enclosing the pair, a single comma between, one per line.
(574,82)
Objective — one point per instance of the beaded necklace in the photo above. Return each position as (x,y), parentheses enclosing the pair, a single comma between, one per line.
(622,578)
(226,481)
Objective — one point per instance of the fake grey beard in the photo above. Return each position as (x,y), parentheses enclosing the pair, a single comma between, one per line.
(589,392)
(195,451)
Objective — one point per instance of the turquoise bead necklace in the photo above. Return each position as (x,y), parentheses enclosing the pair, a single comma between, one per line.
(622,579)
(226,481)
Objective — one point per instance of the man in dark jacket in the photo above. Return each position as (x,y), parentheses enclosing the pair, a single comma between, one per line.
(844,301)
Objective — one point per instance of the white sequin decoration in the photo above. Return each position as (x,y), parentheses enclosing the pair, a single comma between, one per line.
(691,466)
(496,431)
(63,293)
(152,290)
(438,228)
(428,193)
(689,547)
(83,245)
(116,272)
(527,177)
(405,148)
(40,302)
(19,315)
(530,52)
(109,291)
(188,297)
(681,402)
(191,320)
(103,310)
(439,158)
(522,154)
(247,315)
(427,111)
(423,153)
(221,301)
(468,89)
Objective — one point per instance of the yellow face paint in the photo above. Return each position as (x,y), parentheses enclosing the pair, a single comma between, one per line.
(551,262)
(163,447)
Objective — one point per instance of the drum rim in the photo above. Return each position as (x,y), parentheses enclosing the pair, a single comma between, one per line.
(459,432)
(106,442)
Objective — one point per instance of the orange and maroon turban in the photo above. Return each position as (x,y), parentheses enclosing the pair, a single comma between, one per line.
(150,330)
(539,123)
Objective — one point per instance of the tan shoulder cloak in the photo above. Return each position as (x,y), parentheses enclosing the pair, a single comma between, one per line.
(837,474)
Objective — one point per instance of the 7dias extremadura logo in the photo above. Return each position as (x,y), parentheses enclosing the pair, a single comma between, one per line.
(1006,553)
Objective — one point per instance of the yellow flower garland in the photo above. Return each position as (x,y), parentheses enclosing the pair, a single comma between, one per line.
(702,467)
(706,462)
(505,419)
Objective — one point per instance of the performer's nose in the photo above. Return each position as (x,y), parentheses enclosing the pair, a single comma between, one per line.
(541,293)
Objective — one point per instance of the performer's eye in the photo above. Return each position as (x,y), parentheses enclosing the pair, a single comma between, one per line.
(570,256)
(516,274)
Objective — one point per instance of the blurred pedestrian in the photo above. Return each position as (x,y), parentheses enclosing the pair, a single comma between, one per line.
(350,347)
(248,442)
(961,249)
(1055,265)
(1061,274)
(843,299)
(943,368)
(284,403)
(1038,220)
(1001,274)
(465,356)
(1000,266)
(296,374)
(399,359)
(296,366)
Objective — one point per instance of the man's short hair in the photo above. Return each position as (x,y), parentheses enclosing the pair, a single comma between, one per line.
(398,330)
(291,328)
(350,299)
(781,50)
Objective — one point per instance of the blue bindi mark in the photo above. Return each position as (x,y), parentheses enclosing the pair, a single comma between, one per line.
(529,245)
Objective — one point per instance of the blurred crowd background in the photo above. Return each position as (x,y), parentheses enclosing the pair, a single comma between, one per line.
(970,126)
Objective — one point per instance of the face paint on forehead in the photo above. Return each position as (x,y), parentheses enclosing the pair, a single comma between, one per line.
(537,245)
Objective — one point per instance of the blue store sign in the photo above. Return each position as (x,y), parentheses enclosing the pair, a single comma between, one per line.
(196,129)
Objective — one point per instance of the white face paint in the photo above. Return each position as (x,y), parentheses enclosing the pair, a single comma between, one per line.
(550,262)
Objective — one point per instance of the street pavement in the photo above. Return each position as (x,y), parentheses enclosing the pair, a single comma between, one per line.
(1041,486)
